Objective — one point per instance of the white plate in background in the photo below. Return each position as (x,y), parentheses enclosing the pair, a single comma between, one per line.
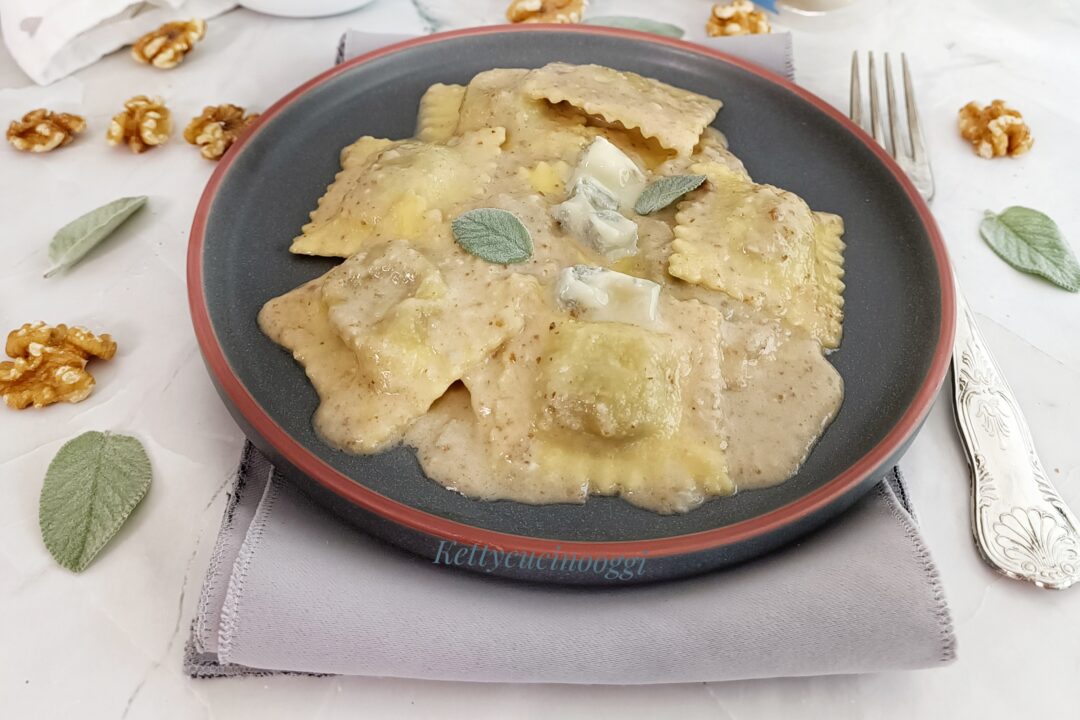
(303,8)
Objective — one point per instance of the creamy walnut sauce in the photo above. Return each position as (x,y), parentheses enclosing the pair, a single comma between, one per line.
(589,368)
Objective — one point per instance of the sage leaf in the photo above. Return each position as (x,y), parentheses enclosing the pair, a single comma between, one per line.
(494,235)
(666,190)
(90,489)
(1030,241)
(637,23)
(83,234)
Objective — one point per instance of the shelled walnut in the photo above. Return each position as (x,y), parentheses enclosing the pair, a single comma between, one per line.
(994,130)
(144,123)
(737,18)
(49,364)
(546,11)
(166,47)
(217,128)
(42,130)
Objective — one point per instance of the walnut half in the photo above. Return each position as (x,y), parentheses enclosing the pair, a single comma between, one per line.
(994,130)
(217,128)
(546,11)
(143,124)
(737,18)
(49,364)
(166,47)
(42,130)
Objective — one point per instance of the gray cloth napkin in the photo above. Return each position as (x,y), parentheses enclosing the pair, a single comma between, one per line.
(291,588)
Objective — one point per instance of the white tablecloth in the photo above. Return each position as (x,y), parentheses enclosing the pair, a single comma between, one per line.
(109,641)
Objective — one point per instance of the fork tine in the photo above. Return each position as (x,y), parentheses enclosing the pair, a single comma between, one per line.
(855,100)
(918,147)
(875,110)
(894,119)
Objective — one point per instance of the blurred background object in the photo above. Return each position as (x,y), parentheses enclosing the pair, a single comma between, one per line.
(813,7)
(304,8)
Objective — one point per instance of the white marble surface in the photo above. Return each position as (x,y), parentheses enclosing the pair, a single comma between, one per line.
(108,643)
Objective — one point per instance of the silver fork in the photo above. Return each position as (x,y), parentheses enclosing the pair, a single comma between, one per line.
(1021,525)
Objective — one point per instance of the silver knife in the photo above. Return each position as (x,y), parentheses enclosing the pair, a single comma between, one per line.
(1022,526)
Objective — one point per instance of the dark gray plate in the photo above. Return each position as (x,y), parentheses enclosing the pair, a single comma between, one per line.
(897,331)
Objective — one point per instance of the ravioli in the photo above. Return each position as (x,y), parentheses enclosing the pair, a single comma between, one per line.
(437,118)
(368,286)
(413,332)
(615,409)
(408,190)
(612,380)
(363,152)
(351,416)
(672,116)
(712,147)
(763,246)
(534,129)
(455,451)
(666,476)
(829,278)
(665,359)
(641,413)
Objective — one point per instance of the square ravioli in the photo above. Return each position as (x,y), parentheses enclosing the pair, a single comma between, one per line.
(612,380)
(673,116)
(413,330)
(763,246)
(616,429)
(405,190)
(351,415)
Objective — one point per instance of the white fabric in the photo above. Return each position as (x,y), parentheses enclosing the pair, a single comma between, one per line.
(53,38)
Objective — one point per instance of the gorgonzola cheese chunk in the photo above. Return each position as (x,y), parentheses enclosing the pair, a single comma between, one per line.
(609,167)
(589,214)
(604,182)
(600,295)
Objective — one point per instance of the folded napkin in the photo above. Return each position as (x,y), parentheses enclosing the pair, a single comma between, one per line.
(53,38)
(292,588)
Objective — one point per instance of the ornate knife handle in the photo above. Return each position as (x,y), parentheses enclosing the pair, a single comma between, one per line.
(1022,526)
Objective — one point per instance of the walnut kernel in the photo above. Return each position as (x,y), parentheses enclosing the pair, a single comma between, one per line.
(166,47)
(49,364)
(737,18)
(994,130)
(42,130)
(217,128)
(546,11)
(143,124)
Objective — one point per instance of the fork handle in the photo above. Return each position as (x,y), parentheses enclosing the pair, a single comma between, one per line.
(1022,526)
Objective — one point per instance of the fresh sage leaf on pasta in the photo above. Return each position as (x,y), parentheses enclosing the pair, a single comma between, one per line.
(83,234)
(497,236)
(1030,241)
(90,489)
(665,191)
(637,23)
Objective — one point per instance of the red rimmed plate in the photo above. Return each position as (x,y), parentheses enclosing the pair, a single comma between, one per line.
(897,332)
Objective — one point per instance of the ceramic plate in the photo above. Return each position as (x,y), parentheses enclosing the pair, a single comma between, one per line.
(897,331)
